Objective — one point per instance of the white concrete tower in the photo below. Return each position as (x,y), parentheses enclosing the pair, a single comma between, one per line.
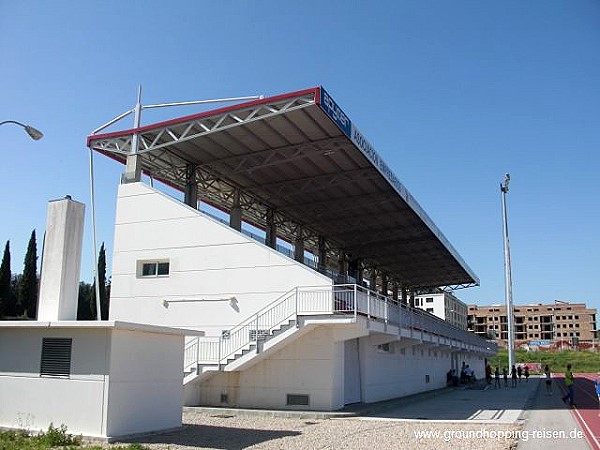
(61,261)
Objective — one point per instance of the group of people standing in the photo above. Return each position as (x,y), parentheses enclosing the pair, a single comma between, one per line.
(516,374)
(467,375)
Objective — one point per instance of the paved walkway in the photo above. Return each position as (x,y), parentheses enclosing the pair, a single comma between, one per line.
(549,424)
(476,405)
(476,418)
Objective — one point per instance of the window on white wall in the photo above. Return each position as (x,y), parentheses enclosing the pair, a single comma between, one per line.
(152,269)
(385,348)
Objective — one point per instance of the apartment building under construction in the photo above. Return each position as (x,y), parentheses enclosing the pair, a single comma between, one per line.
(536,324)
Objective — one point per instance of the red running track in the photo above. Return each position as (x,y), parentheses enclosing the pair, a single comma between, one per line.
(586,411)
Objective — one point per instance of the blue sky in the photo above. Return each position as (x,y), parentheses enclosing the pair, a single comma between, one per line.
(451,94)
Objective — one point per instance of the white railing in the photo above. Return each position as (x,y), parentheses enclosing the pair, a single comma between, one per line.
(325,300)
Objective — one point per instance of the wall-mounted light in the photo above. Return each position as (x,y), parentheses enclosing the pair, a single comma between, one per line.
(233,301)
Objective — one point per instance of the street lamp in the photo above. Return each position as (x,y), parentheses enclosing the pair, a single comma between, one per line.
(508,276)
(34,133)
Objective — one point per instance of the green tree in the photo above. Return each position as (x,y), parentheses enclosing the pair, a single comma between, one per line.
(102,287)
(15,282)
(5,278)
(84,302)
(28,288)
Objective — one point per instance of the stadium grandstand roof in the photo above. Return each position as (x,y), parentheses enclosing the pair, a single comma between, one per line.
(300,155)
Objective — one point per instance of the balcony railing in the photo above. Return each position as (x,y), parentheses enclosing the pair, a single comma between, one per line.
(336,300)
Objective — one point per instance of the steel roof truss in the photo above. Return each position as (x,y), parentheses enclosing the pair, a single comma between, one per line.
(168,135)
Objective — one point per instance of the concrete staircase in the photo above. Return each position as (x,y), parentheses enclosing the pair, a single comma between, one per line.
(247,356)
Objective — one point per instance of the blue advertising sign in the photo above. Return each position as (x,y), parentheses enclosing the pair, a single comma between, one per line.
(335,113)
(540,343)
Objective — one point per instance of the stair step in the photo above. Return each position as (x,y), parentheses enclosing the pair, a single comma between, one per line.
(252,347)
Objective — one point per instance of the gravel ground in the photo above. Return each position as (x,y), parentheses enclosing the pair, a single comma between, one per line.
(227,431)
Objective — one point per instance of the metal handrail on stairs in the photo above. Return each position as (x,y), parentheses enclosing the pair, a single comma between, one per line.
(345,298)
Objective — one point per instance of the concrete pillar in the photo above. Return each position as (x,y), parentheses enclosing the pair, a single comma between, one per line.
(191,186)
(322,253)
(61,261)
(133,170)
(271,231)
(299,246)
(235,215)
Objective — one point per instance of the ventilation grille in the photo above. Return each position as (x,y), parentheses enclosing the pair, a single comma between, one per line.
(297,400)
(56,357)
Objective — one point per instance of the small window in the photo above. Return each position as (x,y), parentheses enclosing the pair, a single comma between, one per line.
(429,299)
(384,348)
(56,357)
(154,268)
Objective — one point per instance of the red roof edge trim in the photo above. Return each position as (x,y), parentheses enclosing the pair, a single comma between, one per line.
(315,91)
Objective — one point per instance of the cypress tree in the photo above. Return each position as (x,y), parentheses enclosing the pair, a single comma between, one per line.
(102,287)
(15,282)
(84,301)
(28,288)
(5,278)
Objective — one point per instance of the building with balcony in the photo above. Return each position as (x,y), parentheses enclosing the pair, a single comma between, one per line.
(561,321)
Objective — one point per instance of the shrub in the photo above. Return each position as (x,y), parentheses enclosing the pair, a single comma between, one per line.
(58,437)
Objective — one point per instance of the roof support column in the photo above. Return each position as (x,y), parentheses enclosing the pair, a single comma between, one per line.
(133,171)
(395,291)
(190,195)
(299,246)
(412,297)
(343,266)
(360,272)
(404,292)
(235,215)
(271,230)
(373,279)
(133,167)
(322,254)
(384,283)
(355,270)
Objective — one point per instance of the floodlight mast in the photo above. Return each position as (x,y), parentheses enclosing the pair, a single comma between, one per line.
(133,171)
(508,277)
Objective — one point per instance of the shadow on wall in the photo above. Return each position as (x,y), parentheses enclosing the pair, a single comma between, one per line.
(205,436)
